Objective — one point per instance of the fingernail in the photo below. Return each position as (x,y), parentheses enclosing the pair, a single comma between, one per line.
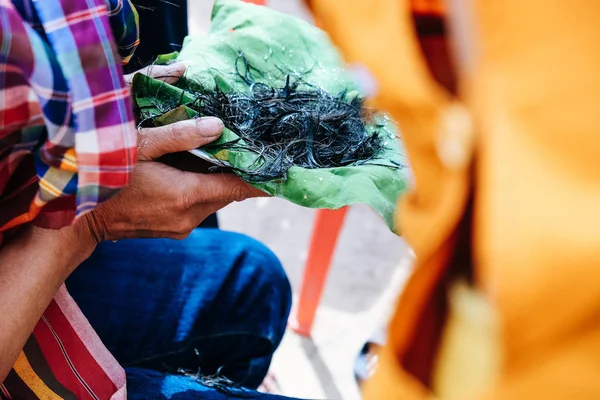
(210,126)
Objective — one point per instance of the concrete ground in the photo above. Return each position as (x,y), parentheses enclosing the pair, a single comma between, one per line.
(368,269)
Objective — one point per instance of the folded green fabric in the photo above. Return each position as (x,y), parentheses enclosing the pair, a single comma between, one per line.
(272,47)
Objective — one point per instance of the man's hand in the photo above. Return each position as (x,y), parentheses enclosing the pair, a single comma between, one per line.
(162,201)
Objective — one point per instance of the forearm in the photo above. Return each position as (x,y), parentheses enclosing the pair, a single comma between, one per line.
(32,268)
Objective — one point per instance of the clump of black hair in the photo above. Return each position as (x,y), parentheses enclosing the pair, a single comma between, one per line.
(296,124)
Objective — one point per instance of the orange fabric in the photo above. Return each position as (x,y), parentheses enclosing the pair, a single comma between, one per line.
(533,90)
(435,7)
(536,91)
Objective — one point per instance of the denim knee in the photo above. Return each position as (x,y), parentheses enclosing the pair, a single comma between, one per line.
(267,277)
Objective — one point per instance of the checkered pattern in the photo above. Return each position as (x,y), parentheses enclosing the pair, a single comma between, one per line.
(63,102)
(67,143)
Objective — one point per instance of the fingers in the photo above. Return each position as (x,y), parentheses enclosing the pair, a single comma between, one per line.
(170,73)
(179,136)
(219,188)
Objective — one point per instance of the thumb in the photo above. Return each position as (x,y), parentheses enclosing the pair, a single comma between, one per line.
(179,136)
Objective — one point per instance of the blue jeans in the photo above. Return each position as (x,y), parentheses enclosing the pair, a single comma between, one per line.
(213,305)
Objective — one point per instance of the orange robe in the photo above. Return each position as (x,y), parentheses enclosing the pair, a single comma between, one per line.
(528,112)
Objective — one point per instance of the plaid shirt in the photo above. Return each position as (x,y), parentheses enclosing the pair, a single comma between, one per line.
(67,143)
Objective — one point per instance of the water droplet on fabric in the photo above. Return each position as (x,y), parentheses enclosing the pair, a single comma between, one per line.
(266,57)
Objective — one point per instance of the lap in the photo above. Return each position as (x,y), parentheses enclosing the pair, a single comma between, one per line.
(216,295)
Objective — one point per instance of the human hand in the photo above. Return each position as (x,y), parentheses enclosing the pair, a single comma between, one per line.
(162,201)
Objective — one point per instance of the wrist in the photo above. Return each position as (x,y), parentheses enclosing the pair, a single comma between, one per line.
(72,244)
(92,226)
(82,235)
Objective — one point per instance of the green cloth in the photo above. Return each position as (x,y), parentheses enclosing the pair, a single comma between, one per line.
(276,45)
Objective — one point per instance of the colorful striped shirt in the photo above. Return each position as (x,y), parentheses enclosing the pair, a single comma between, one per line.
(67,143)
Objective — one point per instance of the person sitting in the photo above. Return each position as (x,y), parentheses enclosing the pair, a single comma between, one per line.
(213,304)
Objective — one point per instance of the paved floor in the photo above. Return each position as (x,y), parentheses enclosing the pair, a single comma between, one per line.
(369,267)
